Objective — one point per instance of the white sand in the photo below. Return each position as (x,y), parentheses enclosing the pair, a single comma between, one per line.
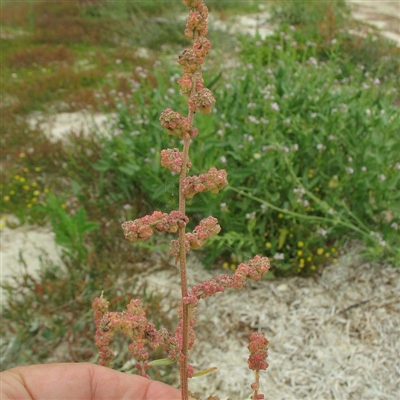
(335,336)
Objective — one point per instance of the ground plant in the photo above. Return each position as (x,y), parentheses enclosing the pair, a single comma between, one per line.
(133,323)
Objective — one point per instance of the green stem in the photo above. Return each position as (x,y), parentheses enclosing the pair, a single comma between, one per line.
(333,220)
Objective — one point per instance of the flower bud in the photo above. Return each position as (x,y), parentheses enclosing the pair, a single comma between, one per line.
(203,101)
(195,23)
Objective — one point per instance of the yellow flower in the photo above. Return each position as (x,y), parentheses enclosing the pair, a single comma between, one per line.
(25,169)
(327,255)
(33,184)
(320,251)
(311,173)
(280,215)
(22,179)
(2,226)
(29,205)
(333,250)
(299,252)
(313,267)
(309,258)
(268,245)
(36,193)
(4,218)
(317,189)
(335,260)
(37,169)
(225,265)
(26,187)
(300,244)
(34,199)
(16,177)
(46,190)
(63,206)
(6,198)
(232,267)
(12,192)
(302,261)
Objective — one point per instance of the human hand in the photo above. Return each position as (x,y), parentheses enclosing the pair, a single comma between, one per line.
(81,381)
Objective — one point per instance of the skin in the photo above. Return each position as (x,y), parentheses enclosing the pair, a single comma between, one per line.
(81,381)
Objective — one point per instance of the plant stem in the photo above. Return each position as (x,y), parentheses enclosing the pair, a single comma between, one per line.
(184,285)
(182,261)
(257,383)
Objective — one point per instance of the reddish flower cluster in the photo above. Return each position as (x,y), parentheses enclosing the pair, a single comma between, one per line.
(142,228)
(196,22)
(201,47)
(177,125)
(207,227)
(258,348)
(185,83)
(214,180)
(253,270)
(133,324)
(203,100)
(189,61)
(173,159)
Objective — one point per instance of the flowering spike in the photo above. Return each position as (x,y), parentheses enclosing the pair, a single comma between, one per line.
(142,228)
(257,360)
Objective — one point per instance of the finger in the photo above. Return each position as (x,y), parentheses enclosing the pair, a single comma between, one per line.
(80,382)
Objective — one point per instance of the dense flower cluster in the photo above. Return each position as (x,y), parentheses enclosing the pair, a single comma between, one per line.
(206,228)
(177,125)
(203,100)
(214,180)
(173,159)
(189,61)
(142,228)
(257,360)
(258,348)
(133,324)
(196,22)
(201,47)
(185,83)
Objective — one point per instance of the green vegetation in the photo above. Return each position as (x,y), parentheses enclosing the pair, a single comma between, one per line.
(307,126)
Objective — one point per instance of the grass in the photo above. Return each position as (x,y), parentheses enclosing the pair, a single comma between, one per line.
(306,126)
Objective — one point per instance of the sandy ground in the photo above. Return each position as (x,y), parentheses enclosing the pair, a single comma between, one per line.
(333,337)
(384,15)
